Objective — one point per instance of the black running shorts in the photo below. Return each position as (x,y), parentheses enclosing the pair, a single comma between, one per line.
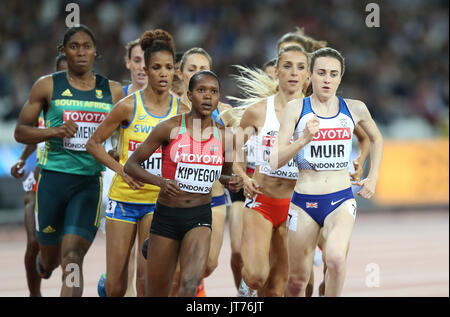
(174,223)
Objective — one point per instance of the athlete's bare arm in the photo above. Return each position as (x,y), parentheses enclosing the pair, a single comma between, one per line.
(364,148)
(117,92)
(283,151)
(227,178)
(160,135)
(27,151)
(252,120)
(121,113)
(364,119)
(27,130)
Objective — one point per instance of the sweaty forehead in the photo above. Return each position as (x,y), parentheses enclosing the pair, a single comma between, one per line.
(206,80)
(161,57)
(293,56)
(328,63)
(137,51)
(197,60)
(80,37)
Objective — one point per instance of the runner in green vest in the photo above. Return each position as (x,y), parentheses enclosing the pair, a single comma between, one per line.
(69,189)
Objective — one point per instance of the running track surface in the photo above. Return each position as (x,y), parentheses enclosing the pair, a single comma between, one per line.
(410,250)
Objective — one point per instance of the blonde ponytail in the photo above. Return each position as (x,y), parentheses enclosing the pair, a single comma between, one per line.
(255,85)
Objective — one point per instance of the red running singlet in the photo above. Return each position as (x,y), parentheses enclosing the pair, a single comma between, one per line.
(194,165)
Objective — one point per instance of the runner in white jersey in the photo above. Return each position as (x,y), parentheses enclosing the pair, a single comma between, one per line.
(322,125)
(263,247)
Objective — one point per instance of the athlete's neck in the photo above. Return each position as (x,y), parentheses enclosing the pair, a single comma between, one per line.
(153,97)
(184,99)
(324,105)
(282,98)
(82,80)
(135,87)
(198,120)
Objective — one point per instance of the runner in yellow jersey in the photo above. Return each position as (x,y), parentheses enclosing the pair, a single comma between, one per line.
(134,62)
(132,203)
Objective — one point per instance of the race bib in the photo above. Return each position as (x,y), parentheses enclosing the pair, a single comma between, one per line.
(29,182)
(153,163)
(288,171)
(87,122)
(110,208)
(330,149)
(292,220)
(197,178)
(351,207)
(41,125)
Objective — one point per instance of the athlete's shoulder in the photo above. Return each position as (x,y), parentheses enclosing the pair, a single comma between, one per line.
(116,90)
(295,107)
(254,115)
(296,103)
(44,80)
(42,87)
(358,109)
(256,108)
(356,106)
(125,104)
(172,121)
(223,106)
(183,107)
(354,103)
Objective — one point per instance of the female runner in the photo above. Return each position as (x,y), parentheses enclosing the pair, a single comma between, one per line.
(322,125)
(69,191)
(131,204)
(193,151)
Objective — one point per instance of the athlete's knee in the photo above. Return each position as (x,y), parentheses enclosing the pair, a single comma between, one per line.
(29,203)
(254,277)
(49,262)
(236,259)
(297,284)
(211,265)
(72,257)
(140,276)
(335,261)
(32,248)
(189,285)
(115,288)
(309,290)
(277,288)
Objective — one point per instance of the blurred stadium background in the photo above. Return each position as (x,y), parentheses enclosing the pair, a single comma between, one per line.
(400,70)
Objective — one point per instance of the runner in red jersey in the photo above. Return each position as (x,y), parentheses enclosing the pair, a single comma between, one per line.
(193,158)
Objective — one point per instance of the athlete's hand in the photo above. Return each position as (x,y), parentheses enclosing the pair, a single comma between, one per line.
(67,130)
(114,154)
(235,183)
(15,169)
(251,188)
(359,171)
(367,188)
(170,188)
(133,183)
(311,129)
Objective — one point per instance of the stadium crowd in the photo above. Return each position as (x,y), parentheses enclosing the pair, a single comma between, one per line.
(400,68)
